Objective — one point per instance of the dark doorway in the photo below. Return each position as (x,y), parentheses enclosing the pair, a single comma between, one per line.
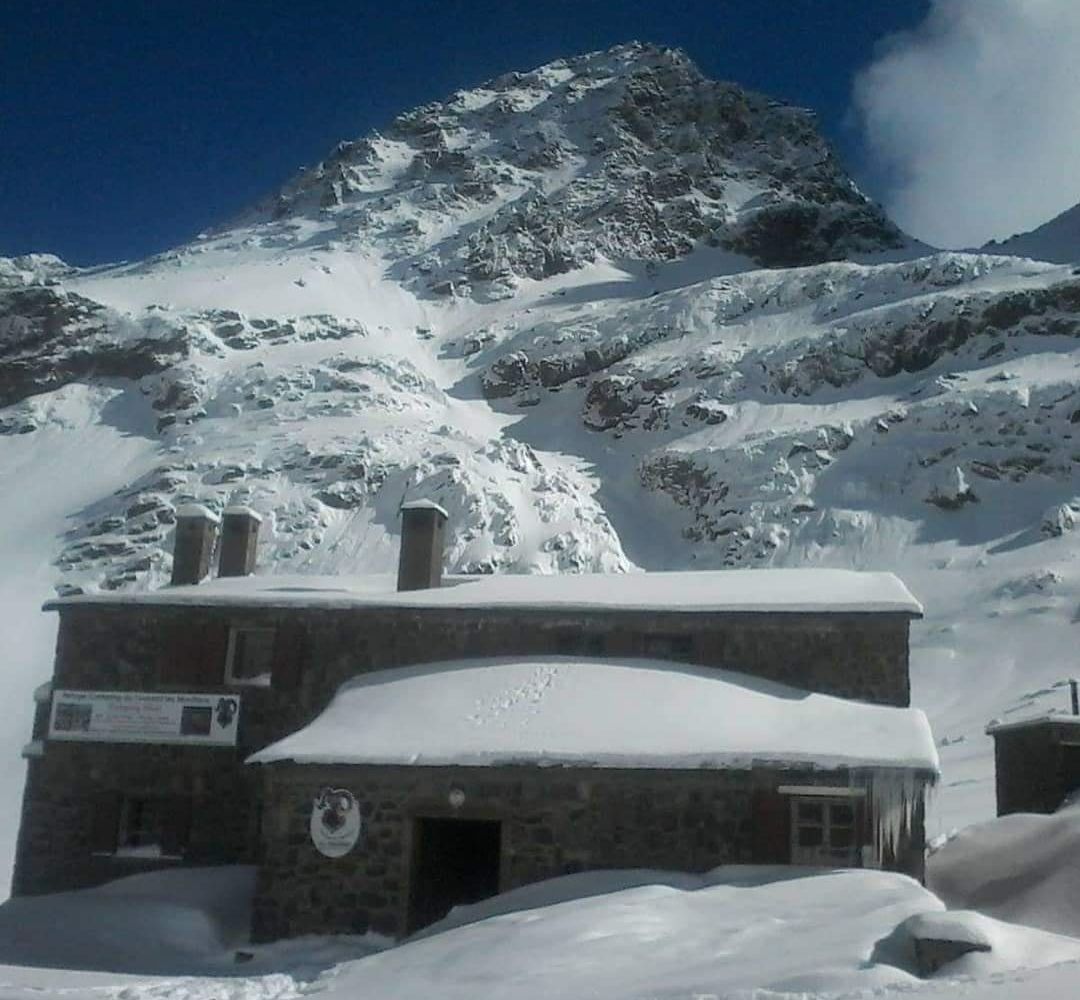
(1070,768)
(454,861)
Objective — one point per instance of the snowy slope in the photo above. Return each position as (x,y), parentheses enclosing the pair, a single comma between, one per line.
(612,316)
(1057,240)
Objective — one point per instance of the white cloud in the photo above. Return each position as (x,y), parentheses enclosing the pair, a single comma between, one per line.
(974,118)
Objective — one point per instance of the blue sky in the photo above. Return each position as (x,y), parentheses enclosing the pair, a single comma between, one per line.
(127,127)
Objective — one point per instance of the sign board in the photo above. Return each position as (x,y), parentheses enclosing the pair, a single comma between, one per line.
(335,822)
(145,717)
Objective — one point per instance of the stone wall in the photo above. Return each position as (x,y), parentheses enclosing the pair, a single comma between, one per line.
(555,821)
(1033,771)
(72,801)
(159,648)
(861,656)
(67,834)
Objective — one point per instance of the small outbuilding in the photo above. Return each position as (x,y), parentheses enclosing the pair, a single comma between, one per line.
(423,787)
(1036,762)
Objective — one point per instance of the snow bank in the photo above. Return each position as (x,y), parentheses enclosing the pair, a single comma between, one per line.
(181,922)
(600,712)
(1020,868)
(728,933)
(737,931)
(166,922)
(783,590)
(996,946)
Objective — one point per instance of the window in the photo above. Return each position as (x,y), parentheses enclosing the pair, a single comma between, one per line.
(250,659)
(153,827)
(823,831)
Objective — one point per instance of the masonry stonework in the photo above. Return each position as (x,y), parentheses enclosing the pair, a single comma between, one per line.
(860,656)
(183,648)
(1036,766)
(71,812)
(555,821)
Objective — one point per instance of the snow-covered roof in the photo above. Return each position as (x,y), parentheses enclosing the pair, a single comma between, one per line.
(241,510)
(1047,718)
(197,510)
(732,590)
(425,505)
(599,712)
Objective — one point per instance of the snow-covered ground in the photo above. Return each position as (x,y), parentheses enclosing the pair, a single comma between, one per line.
(737,932)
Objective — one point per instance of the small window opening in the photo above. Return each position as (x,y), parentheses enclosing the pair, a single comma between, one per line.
(152,827)
(250,656)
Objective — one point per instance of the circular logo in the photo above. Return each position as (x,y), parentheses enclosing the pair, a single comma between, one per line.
(335,822)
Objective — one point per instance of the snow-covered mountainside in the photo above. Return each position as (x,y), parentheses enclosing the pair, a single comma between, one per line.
(1057,240)
(613,316)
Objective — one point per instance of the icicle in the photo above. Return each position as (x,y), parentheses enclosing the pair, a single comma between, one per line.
(894,796)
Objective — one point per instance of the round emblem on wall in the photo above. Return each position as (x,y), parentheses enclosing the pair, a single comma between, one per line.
(335,822)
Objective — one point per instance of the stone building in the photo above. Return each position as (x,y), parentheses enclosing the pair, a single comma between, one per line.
(1036,762)
(159,699)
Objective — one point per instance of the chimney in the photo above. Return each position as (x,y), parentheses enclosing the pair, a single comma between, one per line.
(239,540)
(423,525)
(196,527)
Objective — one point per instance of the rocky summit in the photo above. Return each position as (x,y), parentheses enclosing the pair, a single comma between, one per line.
(612,315)
(626,154)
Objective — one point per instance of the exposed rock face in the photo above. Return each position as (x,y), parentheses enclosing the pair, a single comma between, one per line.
(521,302)
(49,337)
(626,154)
(952,492)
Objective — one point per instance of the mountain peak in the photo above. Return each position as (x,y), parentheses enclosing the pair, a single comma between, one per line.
(628,154)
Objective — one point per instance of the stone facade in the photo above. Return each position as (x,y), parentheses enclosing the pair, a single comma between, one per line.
(554,821)
(156,647)
(73,801)
(1036,765)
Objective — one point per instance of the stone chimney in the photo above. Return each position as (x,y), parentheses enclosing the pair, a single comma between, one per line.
(196,529)
(423,526)
(239,540)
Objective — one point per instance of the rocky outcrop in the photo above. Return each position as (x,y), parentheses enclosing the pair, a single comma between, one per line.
(980,324)
(630,154)
(952,491)
(50,337)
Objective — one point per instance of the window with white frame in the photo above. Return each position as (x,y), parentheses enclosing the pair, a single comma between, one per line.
(824,831)
(250,659)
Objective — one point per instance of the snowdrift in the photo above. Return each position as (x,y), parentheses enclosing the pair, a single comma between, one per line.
(1021,868)
(613,935)
(186,922)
